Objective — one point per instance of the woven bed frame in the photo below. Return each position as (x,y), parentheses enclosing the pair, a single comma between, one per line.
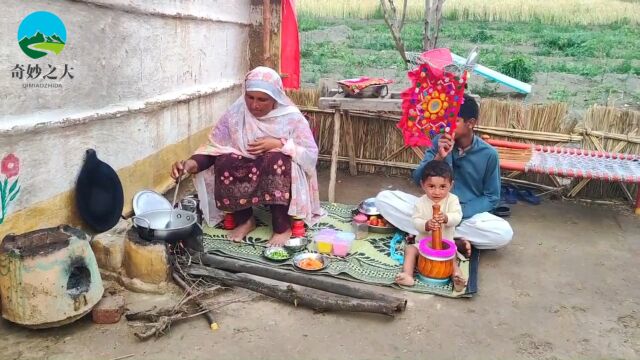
(569,162)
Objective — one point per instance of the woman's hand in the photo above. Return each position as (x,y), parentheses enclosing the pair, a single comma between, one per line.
(264,145)
(445,145)
(180,167)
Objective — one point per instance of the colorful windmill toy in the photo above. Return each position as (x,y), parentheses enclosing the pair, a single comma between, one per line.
(430,106)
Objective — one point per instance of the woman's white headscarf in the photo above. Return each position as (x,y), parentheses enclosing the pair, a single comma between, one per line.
(238,128)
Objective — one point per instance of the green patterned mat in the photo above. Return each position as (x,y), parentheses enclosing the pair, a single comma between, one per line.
(369,261)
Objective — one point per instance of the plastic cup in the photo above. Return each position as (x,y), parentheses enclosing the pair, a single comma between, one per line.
(324,242)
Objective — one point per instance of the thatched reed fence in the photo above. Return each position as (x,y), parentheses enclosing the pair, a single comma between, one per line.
(379,146)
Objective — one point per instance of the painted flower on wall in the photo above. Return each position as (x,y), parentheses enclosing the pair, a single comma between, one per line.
(9,190)
(10,166)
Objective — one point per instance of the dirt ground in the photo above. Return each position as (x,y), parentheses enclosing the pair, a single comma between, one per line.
(566,287)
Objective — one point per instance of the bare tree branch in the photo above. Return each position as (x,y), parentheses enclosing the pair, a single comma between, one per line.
(426,41)
(390,14)
(438,23)
(432,22)
(404,16)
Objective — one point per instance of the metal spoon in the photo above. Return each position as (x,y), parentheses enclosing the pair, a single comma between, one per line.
(173,203)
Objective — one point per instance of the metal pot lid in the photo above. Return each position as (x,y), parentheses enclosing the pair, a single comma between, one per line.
(368,207)
(148,200)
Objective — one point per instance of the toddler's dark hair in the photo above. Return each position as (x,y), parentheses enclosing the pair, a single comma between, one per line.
(437,168)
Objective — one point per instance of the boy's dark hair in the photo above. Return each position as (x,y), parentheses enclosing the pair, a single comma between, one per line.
(469,109)
(437,168)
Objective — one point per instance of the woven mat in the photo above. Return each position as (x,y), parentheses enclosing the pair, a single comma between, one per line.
(369,261)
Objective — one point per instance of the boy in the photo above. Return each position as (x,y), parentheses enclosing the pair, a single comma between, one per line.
(436,182)
(477,172)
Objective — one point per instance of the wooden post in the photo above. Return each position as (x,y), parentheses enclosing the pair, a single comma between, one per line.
(266,35)
(436,235)
(351,146)
(334,156)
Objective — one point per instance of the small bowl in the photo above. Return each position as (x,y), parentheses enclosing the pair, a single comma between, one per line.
(300,257)
(368,207)
(268,253)
(296,244)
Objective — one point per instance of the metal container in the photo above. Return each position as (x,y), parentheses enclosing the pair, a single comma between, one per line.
(189,203)
(296,244)
(382,229)
(373,91)
(165,225)
(268,253)
(368,207)
(300,257)
(192,204)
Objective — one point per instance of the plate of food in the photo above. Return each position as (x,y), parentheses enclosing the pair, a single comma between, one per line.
(378,224)
(310,262)
(276,253)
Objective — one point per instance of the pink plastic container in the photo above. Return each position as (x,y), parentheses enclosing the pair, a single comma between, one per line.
(342,243)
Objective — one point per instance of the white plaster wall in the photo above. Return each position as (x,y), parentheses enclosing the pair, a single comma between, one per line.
(53,158)
(120,55)
(147,74)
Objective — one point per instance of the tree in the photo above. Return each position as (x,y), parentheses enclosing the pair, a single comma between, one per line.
(432,23)
(395,24)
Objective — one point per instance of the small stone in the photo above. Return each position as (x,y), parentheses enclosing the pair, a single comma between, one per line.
(108,310)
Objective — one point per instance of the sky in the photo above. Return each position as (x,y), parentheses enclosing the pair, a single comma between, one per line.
(45,22)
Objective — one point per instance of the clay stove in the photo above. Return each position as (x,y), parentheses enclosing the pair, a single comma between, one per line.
(48,277)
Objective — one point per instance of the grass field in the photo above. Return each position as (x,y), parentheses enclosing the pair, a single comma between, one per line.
(584,12)
(566,60)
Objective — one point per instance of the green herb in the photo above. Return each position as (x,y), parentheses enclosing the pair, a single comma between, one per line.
(279,254)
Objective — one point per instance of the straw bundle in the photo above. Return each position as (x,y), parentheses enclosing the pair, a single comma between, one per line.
(541,118)
(602,120)
(540,124)
(304,97)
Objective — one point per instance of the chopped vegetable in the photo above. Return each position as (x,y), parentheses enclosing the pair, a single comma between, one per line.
(310,264)
(278,254)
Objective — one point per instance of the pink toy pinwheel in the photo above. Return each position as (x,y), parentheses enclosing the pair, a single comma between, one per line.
(430,106)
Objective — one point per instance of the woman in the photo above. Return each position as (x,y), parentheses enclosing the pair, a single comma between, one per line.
(261,152)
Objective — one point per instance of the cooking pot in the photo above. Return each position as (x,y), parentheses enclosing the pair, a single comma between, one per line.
(165,225)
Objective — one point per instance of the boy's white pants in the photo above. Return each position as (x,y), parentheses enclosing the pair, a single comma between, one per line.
(484,230)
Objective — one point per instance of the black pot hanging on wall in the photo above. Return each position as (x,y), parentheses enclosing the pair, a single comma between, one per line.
(99,194)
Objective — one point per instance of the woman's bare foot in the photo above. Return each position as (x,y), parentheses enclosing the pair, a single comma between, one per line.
(405,279)
(464,246)
(279,239)
(241,231)
(459,282)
